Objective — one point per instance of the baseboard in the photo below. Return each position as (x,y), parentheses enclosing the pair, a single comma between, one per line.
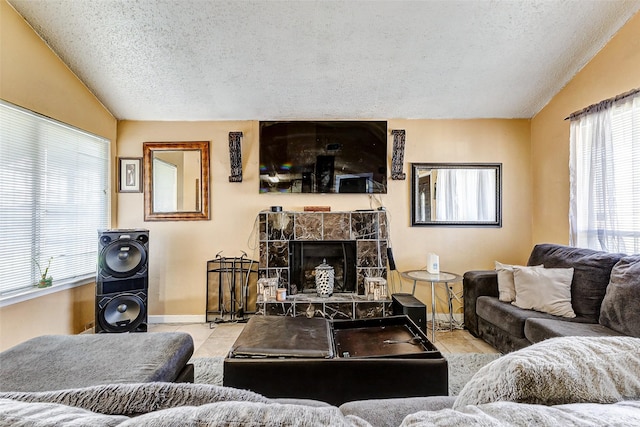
(177,318)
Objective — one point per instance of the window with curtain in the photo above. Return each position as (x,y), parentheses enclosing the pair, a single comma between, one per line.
(54,196)
(605,176)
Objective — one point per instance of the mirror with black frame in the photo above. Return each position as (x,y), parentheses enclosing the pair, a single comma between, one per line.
(456,194)
(176,181)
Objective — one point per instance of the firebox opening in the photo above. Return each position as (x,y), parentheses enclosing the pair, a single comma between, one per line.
(305,256)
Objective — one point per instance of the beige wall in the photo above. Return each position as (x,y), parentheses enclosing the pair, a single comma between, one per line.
(33,77)
(179,250)
(614,70)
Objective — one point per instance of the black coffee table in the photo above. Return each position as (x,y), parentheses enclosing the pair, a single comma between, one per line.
(335,361)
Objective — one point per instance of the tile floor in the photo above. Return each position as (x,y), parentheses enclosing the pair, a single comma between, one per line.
(208,341)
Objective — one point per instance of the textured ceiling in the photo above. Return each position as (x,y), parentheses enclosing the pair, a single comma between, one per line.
(259,60)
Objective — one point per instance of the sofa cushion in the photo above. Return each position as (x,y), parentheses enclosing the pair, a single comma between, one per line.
(544,289)
(162,404)
(246,414)
(518,414)
(13,413)
(621,305)
(391,412)
(590,277)
(505,315)
(57,362)
(135,399)
(558,371)
(536,330)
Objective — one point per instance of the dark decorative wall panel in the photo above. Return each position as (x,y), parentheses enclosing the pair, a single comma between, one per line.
(235,156)
(397,159)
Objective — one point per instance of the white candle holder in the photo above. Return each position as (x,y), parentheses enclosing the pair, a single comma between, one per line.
(376,288)
(268,288)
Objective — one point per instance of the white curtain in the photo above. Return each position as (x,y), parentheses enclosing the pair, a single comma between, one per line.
(604,212)
(466,195)
(165,186)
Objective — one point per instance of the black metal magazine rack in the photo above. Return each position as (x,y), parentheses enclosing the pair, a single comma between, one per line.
(231,288)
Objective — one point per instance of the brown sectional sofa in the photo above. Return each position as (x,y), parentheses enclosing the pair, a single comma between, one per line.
(508,328)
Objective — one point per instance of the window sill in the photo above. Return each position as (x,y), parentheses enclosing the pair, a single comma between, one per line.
(22,295)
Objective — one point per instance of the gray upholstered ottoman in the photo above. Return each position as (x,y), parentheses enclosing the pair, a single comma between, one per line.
(57,362)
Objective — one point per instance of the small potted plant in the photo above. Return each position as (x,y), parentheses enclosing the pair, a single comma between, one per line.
(45,280)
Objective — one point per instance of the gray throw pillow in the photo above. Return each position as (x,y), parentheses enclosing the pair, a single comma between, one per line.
(620,309)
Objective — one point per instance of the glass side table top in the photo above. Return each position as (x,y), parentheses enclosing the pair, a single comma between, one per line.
(425,276)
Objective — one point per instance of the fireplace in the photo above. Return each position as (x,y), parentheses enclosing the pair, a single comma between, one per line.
(292,244)
(361,235)
(305,256)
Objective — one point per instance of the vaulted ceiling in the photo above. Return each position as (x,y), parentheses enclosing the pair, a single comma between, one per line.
(325,59)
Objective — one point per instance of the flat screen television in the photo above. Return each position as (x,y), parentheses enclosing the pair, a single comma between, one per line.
(323,156)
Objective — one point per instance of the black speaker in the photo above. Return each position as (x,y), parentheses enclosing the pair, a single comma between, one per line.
(123,254)
(122,281)
(121,312)
(410,306)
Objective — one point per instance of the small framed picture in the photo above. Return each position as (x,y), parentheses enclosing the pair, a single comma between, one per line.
(130,175)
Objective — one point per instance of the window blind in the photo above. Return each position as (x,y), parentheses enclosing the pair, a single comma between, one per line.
(54,196)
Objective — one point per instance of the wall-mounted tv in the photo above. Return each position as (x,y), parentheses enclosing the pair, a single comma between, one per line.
(323,156)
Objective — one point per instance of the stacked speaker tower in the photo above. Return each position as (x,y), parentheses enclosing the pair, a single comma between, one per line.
(122,281)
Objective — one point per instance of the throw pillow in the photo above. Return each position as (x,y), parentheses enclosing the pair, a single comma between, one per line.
(544,289)
(620,309)
(558,371)
(590,277)
(506,287)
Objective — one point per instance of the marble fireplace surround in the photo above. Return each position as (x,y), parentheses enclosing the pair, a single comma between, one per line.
(367,228)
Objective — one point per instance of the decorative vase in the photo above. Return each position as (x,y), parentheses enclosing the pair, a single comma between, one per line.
(45,283)
(324,279)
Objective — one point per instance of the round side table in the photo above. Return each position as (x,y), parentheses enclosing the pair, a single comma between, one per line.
(433,278)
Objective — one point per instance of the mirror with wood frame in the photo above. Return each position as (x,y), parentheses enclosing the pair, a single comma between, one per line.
(456,194)
(176,181)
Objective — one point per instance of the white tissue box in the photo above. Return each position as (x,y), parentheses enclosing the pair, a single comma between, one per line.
(433,263)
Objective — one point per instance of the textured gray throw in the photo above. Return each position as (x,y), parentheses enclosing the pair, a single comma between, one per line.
(140,398)
(161,404)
